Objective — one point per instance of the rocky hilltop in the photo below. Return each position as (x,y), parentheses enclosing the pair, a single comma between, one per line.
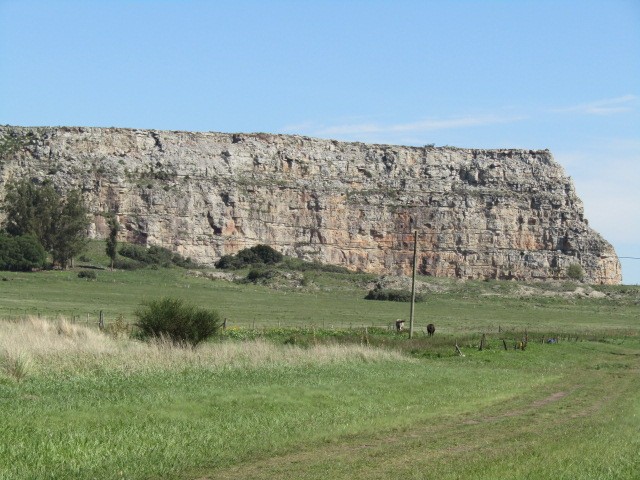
(508,214)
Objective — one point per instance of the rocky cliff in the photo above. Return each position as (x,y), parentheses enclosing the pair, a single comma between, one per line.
(479,213)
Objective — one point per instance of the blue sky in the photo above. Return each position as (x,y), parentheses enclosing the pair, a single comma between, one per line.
(563,75)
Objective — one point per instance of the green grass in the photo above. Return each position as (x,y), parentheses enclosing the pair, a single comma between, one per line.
(322,398)
(569,410)
(327,299)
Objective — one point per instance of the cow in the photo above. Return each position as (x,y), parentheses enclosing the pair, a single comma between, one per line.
(431,329)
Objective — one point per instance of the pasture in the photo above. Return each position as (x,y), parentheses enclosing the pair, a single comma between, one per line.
(298,388)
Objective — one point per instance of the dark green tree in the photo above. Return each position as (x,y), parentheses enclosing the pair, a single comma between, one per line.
(58,223)
(30,210)
(69,232)
(22,253)
(112,239)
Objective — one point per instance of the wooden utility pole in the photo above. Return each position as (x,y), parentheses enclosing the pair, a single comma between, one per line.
(413,281)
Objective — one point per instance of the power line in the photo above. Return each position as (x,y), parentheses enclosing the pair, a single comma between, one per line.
(631,258)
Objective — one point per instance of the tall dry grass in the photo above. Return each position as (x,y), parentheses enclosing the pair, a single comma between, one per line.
(36,346)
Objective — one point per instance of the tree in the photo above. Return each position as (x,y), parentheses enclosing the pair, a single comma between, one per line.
(58,223)
(30,209)
(69,232)
(112,239)
(575,272)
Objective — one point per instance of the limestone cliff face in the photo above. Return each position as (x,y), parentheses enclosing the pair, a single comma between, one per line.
(479,213)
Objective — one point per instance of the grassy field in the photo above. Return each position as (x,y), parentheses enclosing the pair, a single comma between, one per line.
(90,406)
(297,388)
(327,299)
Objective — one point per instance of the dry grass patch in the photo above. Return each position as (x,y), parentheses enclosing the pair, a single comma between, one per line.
(42,346)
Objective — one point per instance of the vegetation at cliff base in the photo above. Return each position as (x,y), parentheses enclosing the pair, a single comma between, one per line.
(393,295)
(264,257)
(58,223)
(575,272)
(139,256)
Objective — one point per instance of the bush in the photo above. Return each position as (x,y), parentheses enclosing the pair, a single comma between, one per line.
(21,253)
(575,272)
(88,274)
(154,255)
(229,262)
(260,254)
(302,266)
(393,295)
(127,264)
(257,274)
(170,317)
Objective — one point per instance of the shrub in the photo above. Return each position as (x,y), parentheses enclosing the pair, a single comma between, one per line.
(575,272)
(154,255)
(172,318)
(302,266)
(119,328)
(393,295)
(260,254)
(88,274)
(229,262)
(21,253)
(257,274)
(127,264)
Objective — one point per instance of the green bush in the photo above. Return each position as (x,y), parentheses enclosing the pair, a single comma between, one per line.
(154,255)
(88,274)
(229,262)
(172,318)
(257,274)
(127,264)
(260,254)
(575,272)
(393,295)
(302,266)
(21,253)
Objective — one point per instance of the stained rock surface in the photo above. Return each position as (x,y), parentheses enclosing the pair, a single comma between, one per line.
(479,213)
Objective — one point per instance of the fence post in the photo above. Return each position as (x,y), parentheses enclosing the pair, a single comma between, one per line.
(101,321)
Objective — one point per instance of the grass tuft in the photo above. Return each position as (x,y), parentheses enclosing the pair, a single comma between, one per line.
(16,366)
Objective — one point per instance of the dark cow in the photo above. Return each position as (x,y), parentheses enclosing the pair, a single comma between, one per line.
(431,329)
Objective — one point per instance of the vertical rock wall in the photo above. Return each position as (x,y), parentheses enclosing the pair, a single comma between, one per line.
(479,213)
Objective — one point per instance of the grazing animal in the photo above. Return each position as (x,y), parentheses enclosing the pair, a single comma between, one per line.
(431,329)
(399,325)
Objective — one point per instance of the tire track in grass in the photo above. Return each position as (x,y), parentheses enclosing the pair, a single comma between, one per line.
(447,449)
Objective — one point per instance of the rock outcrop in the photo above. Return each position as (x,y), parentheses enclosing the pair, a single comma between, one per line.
(479,213)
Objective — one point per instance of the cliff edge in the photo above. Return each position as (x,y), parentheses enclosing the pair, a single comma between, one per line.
(506,214)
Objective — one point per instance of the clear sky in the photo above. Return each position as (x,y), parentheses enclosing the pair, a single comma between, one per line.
(563,75)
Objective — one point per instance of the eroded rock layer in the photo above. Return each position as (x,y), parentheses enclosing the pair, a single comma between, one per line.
(478,213)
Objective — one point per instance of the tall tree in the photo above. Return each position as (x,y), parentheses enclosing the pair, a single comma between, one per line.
(58,223)
(112,239)
(69,232)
